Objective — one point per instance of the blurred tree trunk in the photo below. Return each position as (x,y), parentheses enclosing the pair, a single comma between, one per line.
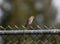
(23,9)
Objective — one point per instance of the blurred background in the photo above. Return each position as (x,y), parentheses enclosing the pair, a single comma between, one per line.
(17,12)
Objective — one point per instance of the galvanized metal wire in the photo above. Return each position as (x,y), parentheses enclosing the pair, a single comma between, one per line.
(17,35)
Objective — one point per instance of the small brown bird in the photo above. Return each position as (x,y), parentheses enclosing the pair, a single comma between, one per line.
(29,21)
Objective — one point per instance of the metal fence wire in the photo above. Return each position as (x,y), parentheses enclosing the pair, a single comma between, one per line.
(40,36)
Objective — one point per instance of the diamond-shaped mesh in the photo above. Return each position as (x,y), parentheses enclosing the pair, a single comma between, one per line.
(30,39)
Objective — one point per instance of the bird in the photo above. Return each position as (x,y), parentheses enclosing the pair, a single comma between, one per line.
(29,21)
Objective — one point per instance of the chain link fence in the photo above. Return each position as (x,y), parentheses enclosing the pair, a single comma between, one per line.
(39,36)
(30,35)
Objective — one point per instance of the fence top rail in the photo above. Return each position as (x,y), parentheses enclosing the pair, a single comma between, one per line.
(13,32)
